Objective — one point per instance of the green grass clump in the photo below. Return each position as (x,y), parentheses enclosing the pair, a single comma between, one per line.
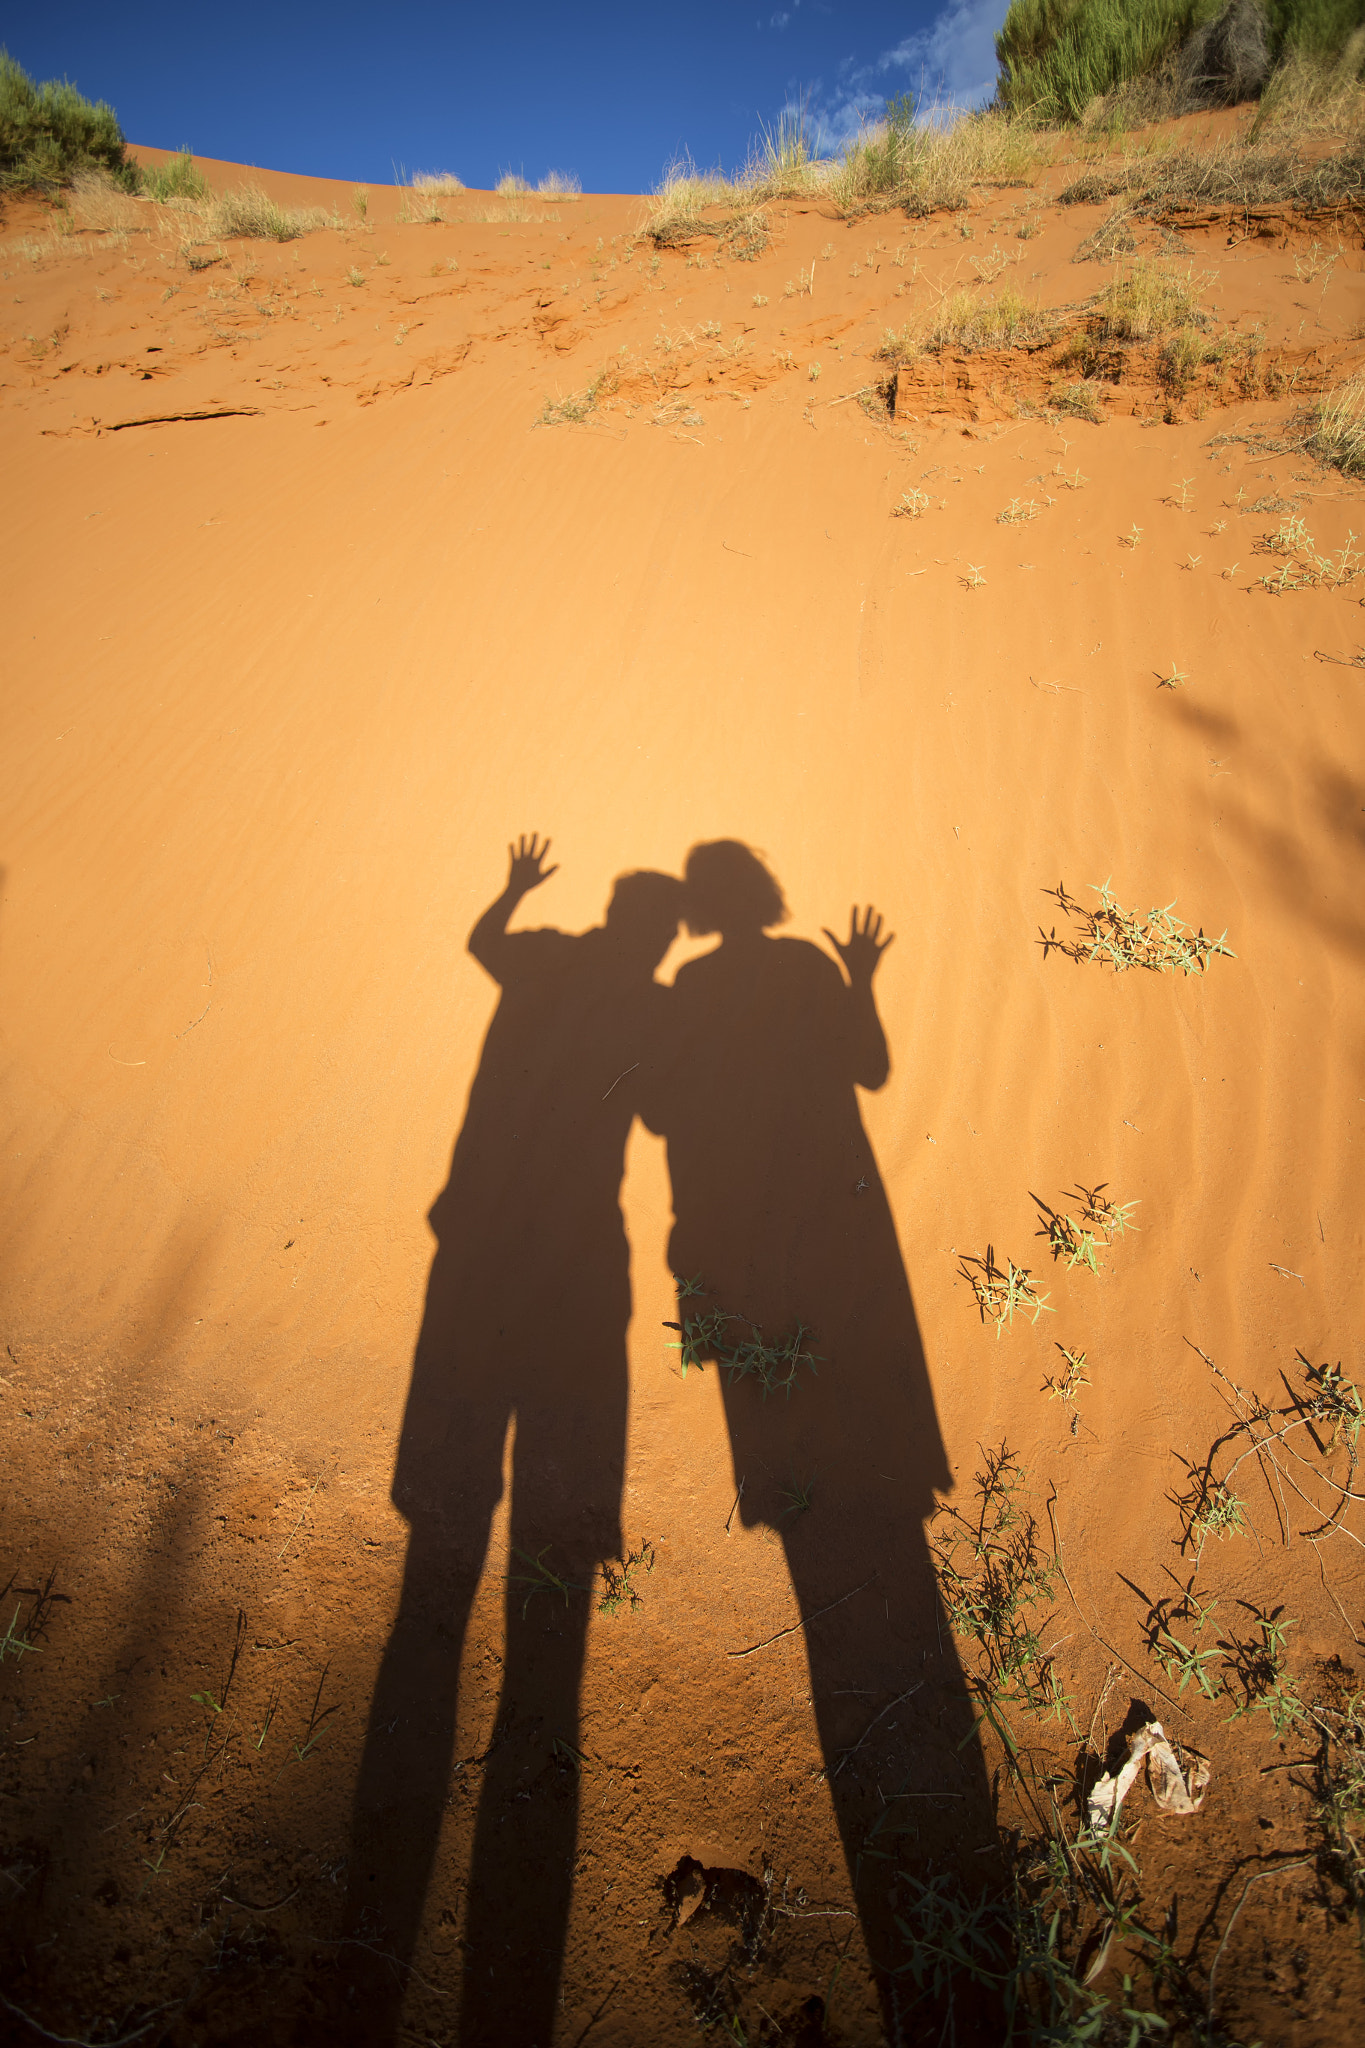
(49,132)
(1056,56)
(1314,29)
(1145,58)
(181,178)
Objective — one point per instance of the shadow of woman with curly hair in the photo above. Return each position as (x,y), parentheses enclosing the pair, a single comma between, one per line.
(789,1269)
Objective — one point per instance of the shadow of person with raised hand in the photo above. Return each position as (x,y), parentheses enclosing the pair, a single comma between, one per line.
(791,1279)
(525,1324)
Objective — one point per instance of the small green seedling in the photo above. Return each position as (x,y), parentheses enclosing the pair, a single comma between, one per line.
(1209,1507)
(1335,1399)
(1079,1240)
(1001,1292)
(799,1496)
(1258,1665)
(975,577)
(619,1579)
(317,1722)
(1067,1239)
(13,1644)
(1018,511)
(1173,680)
(1068,1384)
(913,505)
(539,1578)
(272,1708)
(1132,537)
(1179,1659)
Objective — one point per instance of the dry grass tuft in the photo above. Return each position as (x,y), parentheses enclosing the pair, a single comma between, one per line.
(1111,239)
(99,203)
(1337,433)
(965,320)
(560,185)
(1081,400)
(1149,303)
(1170,184)
(437,184)
(575,408)
(250,213)
(923,166)
(512,182)
(1312,98)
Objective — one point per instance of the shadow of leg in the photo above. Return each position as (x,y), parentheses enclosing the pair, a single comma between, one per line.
(404,1777)
(521,1879)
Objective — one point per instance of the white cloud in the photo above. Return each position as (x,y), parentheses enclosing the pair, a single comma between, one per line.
(952,60)
(955,56)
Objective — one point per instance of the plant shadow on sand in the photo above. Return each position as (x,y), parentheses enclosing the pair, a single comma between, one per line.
(748,1067)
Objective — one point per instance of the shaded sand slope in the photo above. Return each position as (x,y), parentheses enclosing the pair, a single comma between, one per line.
(281,684)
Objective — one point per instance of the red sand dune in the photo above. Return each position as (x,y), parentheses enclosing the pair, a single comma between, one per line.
(306,617)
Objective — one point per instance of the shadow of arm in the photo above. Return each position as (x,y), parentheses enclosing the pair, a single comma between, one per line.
(489,941)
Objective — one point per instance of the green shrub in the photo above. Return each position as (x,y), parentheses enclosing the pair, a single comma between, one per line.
(49,132)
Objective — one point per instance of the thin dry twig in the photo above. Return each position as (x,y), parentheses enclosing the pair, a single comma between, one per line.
(1298,1863)
(804,1622)
(844,1755)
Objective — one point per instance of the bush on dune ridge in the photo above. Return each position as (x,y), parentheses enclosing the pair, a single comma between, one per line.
(49,132)
(1148,58)
(1057,56)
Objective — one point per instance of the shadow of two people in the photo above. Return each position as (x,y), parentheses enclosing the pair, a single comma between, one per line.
(748,1067)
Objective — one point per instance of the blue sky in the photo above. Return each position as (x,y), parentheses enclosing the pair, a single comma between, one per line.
(610,91)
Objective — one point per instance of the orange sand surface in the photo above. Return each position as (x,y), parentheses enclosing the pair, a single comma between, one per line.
(307,614)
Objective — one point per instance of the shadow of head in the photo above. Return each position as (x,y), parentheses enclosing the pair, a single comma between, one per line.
(643,917)
(728,889)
